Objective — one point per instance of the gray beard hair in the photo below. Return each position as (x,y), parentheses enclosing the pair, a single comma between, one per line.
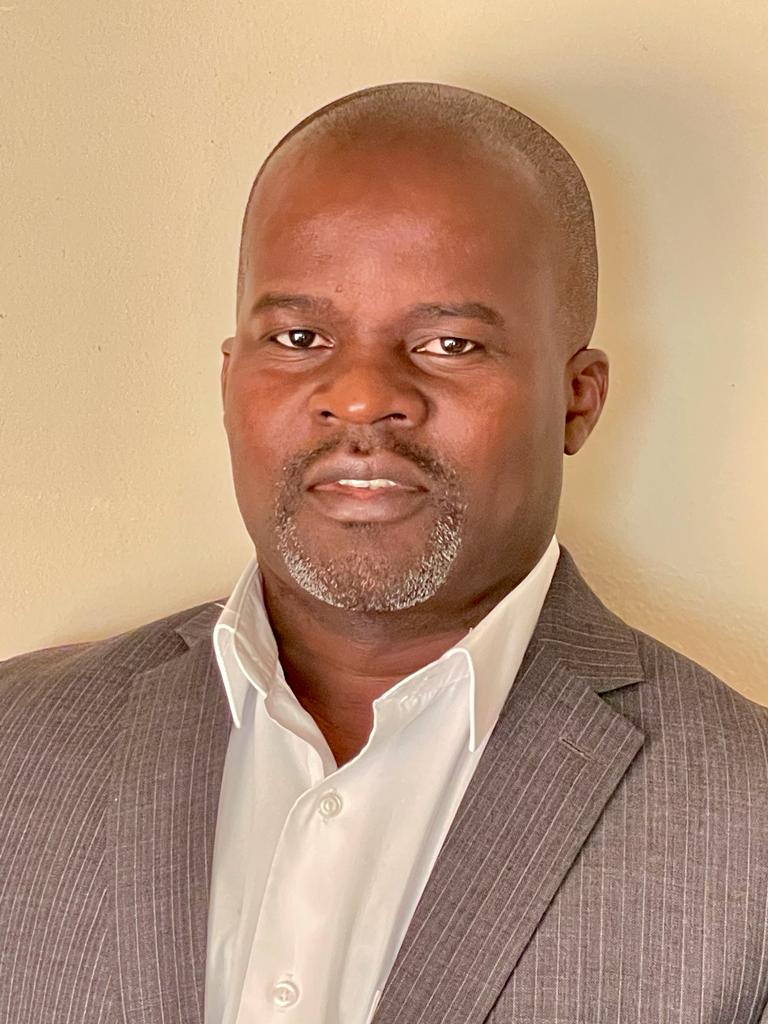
(361,580)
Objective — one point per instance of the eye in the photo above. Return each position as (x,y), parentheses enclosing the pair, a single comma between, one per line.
(448,347)
(299,338)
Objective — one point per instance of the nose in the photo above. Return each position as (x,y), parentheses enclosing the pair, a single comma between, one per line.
(367,389)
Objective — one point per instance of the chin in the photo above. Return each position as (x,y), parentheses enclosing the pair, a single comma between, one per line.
(377,569)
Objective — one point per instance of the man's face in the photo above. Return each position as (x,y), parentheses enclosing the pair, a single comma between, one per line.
(395,394)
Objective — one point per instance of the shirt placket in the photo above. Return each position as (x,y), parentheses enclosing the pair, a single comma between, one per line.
(306,914)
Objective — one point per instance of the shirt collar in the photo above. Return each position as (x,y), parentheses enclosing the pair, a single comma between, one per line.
(491,652)
(497,644)
(244,643)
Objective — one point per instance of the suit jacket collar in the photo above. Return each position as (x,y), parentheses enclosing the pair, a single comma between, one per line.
(555,757)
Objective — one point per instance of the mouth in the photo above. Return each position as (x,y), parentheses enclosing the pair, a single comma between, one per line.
(356,489)
(358,500)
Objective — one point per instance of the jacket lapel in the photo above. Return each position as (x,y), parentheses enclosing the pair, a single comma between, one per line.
(555,757)
(164,816)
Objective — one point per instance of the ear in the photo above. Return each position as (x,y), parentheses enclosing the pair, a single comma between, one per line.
(226,349)
(586,379)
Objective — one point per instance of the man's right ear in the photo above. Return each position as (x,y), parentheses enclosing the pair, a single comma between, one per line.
(226,349)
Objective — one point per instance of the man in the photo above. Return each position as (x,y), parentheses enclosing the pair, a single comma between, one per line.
(445,784)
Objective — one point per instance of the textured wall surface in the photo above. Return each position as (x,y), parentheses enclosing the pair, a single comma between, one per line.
(129,136)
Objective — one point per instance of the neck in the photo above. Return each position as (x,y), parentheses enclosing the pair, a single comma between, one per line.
(338,662)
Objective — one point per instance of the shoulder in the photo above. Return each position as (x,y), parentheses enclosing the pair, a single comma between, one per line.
(687,691)
(63,678)
(62,719)
(706,745)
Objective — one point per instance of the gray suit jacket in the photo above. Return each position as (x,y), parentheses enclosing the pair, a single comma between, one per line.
(608,861)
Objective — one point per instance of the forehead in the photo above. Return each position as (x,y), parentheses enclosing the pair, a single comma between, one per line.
(428,211)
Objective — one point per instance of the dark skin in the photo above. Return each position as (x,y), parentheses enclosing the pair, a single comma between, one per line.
(371,234)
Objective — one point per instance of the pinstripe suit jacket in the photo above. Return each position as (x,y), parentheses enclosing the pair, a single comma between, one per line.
(608,861)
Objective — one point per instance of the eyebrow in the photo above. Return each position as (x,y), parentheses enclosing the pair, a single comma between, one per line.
(463,310)
(280,300)
(422,311)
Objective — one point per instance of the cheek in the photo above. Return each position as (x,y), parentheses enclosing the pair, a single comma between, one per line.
(501,420)
(257,428)
(512,451)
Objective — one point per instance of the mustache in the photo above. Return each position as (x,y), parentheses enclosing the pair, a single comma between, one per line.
(424,458)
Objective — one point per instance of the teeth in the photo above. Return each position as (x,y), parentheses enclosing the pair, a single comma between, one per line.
(367,483)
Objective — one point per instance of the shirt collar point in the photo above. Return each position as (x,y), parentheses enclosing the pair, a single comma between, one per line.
(224,639)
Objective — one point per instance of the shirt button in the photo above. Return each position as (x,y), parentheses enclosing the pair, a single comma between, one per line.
(330,804)
(285,994)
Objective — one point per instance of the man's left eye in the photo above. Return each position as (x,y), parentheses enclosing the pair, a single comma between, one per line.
(299,338)
(448,347)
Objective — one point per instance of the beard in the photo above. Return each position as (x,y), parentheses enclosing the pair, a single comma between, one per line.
(364,576)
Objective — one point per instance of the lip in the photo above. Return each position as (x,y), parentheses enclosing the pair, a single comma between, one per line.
(383,466)
(358,505)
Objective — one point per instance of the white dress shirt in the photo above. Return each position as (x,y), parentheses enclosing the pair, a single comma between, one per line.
(317,869)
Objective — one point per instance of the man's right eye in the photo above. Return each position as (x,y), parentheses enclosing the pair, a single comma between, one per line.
(300,338)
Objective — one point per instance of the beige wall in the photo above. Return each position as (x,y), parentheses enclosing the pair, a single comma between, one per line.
(130,133)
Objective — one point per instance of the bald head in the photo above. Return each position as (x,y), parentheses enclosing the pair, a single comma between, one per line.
(489,127)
